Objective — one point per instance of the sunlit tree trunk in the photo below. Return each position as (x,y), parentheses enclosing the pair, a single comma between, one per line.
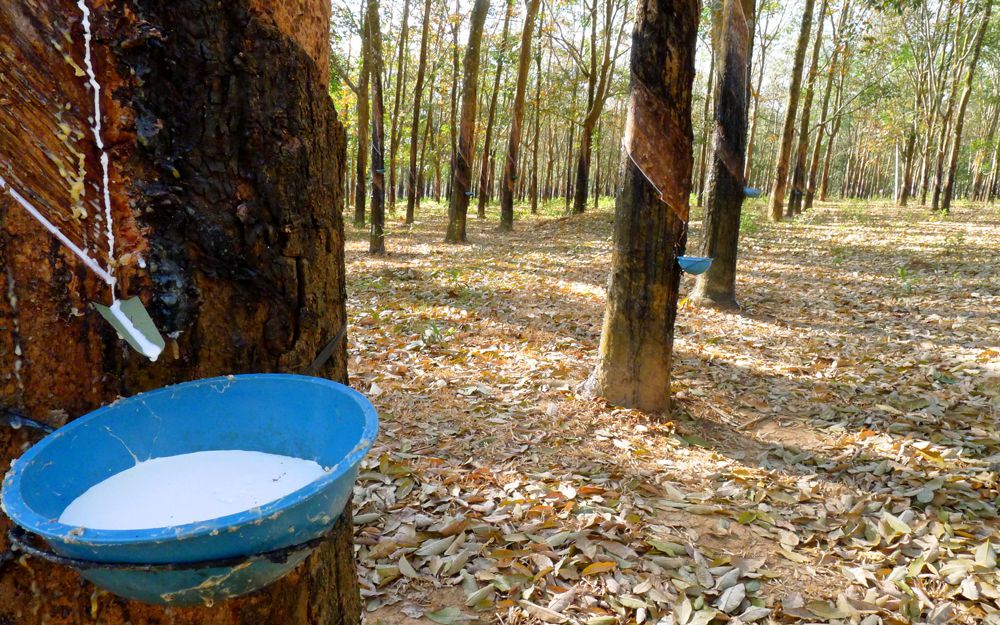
(533,192)
(232,202)
(395,126)
(487,166)
(801,152)
(458,206)
(510,168)
(453,119)
(791,110)
(361,173)
(376,239)
(651,210)
(956,141)
(724,195)
(706,129)
(823,130)
(418,92)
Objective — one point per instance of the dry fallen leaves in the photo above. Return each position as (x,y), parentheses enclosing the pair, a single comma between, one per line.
(832,459)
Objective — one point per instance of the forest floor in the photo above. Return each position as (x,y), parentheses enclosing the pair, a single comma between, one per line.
(831,457)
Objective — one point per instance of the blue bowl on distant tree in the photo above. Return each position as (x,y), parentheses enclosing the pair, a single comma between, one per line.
(291,415)
(694,265)
(751,192)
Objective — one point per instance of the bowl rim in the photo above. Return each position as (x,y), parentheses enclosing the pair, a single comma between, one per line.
(21,513)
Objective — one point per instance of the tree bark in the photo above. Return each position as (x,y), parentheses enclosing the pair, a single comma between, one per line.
(361,173)
(394,130)
(510,167)
(724,197)
(651,211)
(487,166)
(956,142)
(418,92)
(227,163)
(707,126)
(458,206)
(821,130)
(453,120)
(791,110)
(801,152)
(533,191)
(376,238)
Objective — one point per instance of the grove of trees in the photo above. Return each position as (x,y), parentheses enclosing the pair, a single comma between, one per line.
(846,99)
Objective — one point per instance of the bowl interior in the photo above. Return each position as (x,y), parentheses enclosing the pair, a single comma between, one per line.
(281,414)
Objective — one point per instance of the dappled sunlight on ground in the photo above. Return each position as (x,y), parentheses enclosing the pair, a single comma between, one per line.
(831,455)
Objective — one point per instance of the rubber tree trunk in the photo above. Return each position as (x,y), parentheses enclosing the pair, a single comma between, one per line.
(651,210)
(458,205)
(361,173)
(226,168)
(487,166)
(724,194)
(376,237)
(537,105)
(510,167)
(791,109)
(706,127)
(822,129)
(956,142)
(798,192)
(418,92)
(395,127)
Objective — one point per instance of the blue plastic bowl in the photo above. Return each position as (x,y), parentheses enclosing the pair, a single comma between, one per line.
(292,415)
(751,192)
(694,264)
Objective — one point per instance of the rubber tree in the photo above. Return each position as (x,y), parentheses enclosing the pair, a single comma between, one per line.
(956,140)
(651,210)
(724,194)
(802,147)
(822,129)
(373,42)
(395,127)
(418,92)
(364,113)
(791,109)
(510,167)
(227,163)
(599,80)
(487,165)
(461,184)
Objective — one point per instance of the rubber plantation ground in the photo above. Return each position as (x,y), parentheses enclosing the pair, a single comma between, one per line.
(831,457)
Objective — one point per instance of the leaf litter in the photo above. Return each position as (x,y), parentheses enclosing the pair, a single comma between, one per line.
(831,457)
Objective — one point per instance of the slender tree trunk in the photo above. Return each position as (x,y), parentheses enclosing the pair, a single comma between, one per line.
(753,119)
(487,167)
(569,153)
(956,142)
(237,298)
(821,131)
(458,206)
(791,110)
(376,239)
(510,167)
(361,174)
(799,171)
(453,120)
(418,91)
(651,211)
(395,127)
(706,125)
(724,194)
(533,192)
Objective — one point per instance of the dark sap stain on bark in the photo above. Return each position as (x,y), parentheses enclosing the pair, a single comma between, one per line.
(228,159)
(241,158)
